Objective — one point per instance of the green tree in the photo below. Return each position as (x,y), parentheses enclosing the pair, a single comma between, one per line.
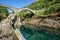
(3,12)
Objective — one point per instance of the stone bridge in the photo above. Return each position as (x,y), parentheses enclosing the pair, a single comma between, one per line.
(16,10)
(33,11)
(9,19)
(9,7)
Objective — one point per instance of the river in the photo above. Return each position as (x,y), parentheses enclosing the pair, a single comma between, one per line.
(30,34)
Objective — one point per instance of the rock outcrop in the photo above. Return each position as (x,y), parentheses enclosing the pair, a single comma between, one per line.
(49,25)
(6,32)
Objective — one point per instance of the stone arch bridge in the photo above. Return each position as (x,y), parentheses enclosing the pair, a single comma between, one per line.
(16,10)
(11,17)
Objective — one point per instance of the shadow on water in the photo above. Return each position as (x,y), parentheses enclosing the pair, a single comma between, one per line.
(31,34)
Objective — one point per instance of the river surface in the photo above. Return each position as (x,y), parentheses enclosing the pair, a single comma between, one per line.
(36,35)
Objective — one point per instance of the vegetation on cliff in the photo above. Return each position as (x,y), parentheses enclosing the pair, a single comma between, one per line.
(43,4)
(3,13)
(51,6)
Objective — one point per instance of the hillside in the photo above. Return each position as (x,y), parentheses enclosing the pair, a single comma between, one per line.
(51,6)
(42,4)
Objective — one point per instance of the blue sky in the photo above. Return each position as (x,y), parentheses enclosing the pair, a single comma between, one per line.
(17,3)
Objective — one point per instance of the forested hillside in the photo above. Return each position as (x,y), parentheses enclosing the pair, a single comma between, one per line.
(43,4)
(51,6)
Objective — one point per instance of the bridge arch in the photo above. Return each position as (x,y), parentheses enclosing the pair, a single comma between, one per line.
(9,7)
(27,9)
(14,10)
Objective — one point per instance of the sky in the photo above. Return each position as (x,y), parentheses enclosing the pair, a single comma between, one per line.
(17,3)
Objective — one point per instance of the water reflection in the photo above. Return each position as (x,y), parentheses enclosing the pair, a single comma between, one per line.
(30,34)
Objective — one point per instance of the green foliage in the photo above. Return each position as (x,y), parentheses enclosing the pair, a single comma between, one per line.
(3,13)
(41,13)
(24,14)
(42,4)
(49,10)
(49,5)
(53,8)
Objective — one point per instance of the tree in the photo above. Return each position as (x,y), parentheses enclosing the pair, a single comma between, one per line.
(3,12)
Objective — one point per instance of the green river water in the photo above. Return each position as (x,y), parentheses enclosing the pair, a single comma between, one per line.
(36,35)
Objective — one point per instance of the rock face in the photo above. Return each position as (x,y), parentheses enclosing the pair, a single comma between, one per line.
(50,22)
(6,32)
(49,25)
